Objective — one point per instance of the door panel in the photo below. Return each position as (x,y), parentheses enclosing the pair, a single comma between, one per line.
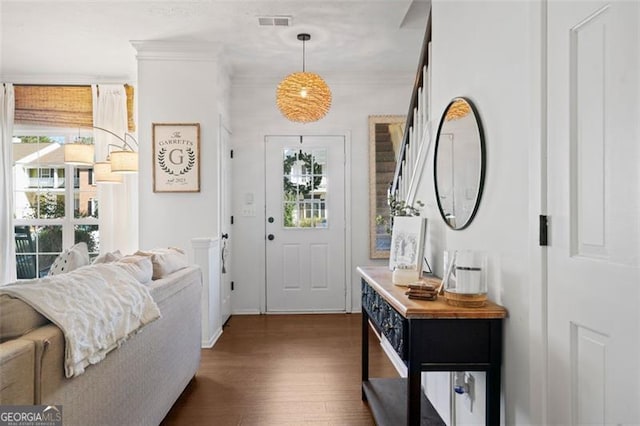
(305,244)
(593,192)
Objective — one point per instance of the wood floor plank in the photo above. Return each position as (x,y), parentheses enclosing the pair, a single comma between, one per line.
(282,370)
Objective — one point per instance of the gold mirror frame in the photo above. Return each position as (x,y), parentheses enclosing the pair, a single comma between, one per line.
(385,140)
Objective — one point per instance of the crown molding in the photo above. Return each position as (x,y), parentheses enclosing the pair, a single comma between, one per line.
(71,80)
(177,50)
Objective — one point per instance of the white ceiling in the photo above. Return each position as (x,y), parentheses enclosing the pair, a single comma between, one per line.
(92,38)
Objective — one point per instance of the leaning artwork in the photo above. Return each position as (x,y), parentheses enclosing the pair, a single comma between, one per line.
(407,240)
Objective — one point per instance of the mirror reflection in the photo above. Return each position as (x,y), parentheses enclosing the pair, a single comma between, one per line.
(385,141)
(459,163)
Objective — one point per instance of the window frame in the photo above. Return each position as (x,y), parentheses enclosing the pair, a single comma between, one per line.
(69,221)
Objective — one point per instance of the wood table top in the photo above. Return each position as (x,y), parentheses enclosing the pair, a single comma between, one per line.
(379,277)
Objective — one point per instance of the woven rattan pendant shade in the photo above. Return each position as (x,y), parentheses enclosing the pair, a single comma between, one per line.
(303,97)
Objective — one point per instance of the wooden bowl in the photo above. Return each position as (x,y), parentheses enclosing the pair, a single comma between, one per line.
(465,300)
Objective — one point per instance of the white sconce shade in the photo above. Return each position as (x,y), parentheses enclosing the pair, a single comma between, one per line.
(78,153)
(124,161)
(102,173)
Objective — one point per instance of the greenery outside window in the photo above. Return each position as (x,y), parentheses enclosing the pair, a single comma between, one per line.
(55,204)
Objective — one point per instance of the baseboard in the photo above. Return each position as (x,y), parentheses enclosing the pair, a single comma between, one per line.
(246,312)
(304,312)
(212,341)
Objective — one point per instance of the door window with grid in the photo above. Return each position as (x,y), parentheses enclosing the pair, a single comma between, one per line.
(304,188)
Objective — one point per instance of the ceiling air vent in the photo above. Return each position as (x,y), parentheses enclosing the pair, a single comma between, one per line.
(274,21)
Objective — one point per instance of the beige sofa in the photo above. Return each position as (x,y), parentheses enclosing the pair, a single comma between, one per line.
(135,384)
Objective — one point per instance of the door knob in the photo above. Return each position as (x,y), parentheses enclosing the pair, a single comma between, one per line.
(225,236)
(270,237)
(270,220)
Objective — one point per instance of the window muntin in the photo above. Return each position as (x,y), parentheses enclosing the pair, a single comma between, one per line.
(304,186)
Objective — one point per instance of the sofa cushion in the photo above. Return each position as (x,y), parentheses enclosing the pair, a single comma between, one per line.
(165,261)
(67,261)
(139,266)
(17,373)
(17,318)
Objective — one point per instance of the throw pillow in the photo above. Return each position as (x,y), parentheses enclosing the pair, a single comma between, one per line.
(108,257)
(67,261)
(138,266)
(165,261)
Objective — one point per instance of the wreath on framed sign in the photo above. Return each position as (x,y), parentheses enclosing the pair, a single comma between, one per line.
(311,168)
(191,161)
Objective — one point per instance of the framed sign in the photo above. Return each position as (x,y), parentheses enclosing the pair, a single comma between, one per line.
(176,157)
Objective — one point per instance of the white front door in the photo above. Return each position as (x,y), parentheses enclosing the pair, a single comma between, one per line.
(593,203)
(305,226)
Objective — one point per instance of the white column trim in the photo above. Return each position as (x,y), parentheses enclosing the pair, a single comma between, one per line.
(206,256)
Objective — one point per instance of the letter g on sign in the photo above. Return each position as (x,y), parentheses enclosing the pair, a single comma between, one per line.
(176,156)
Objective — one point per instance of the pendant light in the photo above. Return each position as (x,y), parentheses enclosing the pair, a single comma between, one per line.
(303,97)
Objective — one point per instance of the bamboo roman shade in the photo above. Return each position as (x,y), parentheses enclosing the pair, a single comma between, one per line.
(60,106)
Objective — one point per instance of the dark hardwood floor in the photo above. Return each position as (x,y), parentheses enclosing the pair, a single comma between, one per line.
(282,370)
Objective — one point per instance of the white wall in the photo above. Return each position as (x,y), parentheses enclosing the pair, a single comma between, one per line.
(486,51)
(180,83)
(254,115)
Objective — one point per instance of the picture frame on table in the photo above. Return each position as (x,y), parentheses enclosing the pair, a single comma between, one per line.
(407,243)
(176,157)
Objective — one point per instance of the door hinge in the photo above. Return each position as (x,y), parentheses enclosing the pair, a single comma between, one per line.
(231,153)
(231,285)
(232,220)
(544,229)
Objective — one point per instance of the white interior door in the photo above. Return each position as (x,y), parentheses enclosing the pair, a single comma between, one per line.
(305,226)
(225,227)
(593,191)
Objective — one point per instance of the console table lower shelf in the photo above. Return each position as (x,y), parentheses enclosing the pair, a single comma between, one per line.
(387,399)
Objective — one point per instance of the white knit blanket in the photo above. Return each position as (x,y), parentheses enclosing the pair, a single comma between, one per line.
(97,308)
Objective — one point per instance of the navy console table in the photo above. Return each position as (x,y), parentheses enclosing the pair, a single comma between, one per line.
(427,336)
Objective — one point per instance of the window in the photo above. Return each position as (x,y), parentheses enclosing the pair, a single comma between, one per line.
(55,204)
(304,188)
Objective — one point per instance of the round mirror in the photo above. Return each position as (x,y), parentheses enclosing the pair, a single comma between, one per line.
(459,163)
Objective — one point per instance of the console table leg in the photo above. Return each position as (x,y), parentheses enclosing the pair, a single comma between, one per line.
(493,375)
(413,400)
(493,397)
